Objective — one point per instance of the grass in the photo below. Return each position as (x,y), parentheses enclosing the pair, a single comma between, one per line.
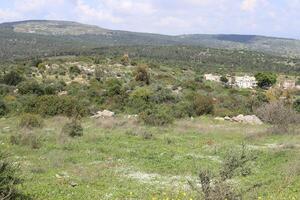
(120,159)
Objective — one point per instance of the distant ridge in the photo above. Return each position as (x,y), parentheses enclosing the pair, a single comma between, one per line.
(67,36)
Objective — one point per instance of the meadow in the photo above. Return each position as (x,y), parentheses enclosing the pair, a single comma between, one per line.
(119,158)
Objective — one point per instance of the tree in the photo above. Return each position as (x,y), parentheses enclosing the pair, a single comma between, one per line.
(265,80)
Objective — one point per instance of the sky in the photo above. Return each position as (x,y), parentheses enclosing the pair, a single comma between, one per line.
(279,18)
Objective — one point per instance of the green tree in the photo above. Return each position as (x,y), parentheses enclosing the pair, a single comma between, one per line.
(265,80)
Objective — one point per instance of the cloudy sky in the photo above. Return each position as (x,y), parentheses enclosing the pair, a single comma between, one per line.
(263,17)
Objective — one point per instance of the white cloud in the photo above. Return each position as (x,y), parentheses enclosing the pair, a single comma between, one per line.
(8,15)
(249,5)
(89,14)
(130,7)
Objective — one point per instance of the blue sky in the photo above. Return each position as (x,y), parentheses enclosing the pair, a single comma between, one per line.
(263,17)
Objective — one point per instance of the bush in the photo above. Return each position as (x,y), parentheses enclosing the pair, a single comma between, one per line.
(9,179)
(203,105)
(73,129)
(12,78)
(142,74)
(28,120)
(3,108)
(279,115)
(27,138)
(140,99)
(30,87)
(51,105)
(4,89)
(74,70)
(297,105)
(217,187)
(157,116)
(113,87)
(265,80)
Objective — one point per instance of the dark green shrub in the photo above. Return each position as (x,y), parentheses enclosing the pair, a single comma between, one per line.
(51,105)
(28,120)
(113,87)
(4,89)
(183,109)
(9,179)
(265,80)
(203,105)
(157,116)
(224,79)
(297,105)
(30,87)
(3,108)
(74,70)
(12,78)
(140,99)
(162,95)
(73,129)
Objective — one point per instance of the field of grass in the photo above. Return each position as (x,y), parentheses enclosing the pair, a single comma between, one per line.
(118,158)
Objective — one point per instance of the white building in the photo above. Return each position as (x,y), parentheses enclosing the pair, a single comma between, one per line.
(211,77)
(238,81)
(245,81)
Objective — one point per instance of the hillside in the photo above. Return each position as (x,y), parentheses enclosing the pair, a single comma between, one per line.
(44,38)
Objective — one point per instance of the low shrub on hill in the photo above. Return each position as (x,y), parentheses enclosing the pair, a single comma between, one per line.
(28,120)
(157,116)
(203,105)
(9,180)
(51,105)
(141,74)
(3,108)
(282,117)
(12,78)
(73,129)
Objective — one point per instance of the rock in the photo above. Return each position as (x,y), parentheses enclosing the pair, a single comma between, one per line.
(103,114)
(62,175)
(62,93)
(247,119)
(219,119)
(227,118)
(132,116)
(73,184)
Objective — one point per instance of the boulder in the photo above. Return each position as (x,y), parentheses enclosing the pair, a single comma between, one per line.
(103,114)
(227,118)
(219,119)
(247,119)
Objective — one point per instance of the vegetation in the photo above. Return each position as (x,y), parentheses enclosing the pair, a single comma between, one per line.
(10,179)
(30,121)
(73,129)
(265,80)
(140,122)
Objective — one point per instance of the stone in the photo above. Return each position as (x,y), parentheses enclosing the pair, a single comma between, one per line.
(103,114)
(73,184)
(247,119)
(227,118)
(219,119)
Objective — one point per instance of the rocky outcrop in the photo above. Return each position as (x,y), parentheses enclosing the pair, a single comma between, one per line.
(103,114)
(246,119)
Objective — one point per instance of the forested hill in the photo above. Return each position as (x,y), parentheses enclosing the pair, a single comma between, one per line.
(44,38)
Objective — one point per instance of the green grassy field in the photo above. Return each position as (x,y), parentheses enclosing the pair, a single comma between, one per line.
(120,159)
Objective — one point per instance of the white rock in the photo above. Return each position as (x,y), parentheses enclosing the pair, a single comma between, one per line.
(104,114)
